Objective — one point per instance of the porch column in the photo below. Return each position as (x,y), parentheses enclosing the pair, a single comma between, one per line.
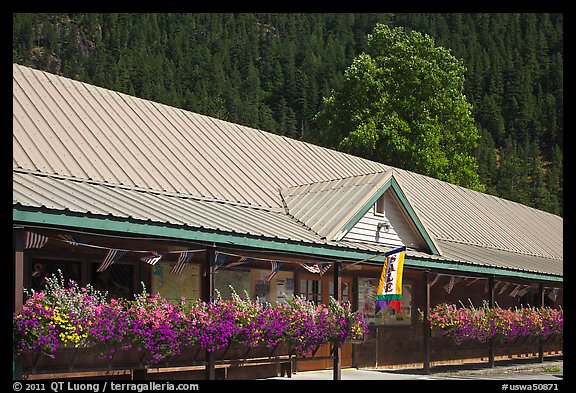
(540,338)
(426,324)
(337,368)
(18,291)
(208,285)
(491,304)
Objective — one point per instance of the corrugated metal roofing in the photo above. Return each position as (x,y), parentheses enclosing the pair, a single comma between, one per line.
(86,197)
(326,206)
(74,129)
(498,258)
(453,213)
(82,132)
(59,194)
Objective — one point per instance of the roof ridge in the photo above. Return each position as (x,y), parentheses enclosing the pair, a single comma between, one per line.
(339,179)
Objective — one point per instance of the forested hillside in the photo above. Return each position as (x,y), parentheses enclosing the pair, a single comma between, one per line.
(271,71)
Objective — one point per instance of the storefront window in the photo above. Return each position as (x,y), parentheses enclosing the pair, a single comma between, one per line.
(395,314)
(311,290)
(175,286)
(254,282)
(117,280)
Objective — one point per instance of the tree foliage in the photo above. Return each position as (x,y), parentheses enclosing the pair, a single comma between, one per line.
(402,103)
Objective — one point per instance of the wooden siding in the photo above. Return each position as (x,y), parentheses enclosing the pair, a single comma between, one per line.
(402,231)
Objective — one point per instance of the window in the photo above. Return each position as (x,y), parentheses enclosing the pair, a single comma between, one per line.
(45,268)
(255,283)
(400,315)
(344,290)
(311,290)
(379,206)
(117,280)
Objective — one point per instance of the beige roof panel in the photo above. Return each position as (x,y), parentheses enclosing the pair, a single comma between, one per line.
(33,190)
(460,215)
(74,129)
(325,207)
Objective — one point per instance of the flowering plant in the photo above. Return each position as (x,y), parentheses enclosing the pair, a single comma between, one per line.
(64,315)
(60,315)
(482,323)
(154,325)
(346,325)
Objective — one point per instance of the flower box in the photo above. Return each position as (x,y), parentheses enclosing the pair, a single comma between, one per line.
(153,332)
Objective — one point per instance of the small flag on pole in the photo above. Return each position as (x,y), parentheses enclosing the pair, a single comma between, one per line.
(390,284)
(515,291)
(34,240)
(111,257)
(523,291)
(275,268)
(448,287)
(183,260)
(553,294)
(503,288)
(152,259)
(435,279)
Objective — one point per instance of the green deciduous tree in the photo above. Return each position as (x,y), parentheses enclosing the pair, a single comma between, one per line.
(402,103)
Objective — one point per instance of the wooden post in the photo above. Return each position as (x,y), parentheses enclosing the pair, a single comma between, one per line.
(18,291)
(491,303)
(426,324)
(337,367)
(540,338)
(208,286)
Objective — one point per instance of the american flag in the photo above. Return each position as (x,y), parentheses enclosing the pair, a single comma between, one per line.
(72,240)
(34,240)
(152,259)
(183,260)
(275,268)
(220,259)
(515,291)
(553,294)
(319,268)
(240,261)
(111,257)
(448,287)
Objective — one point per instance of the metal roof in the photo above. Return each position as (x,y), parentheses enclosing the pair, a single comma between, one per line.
(456,214)
(108,153)
(33,190)
(326,206)
(74,129)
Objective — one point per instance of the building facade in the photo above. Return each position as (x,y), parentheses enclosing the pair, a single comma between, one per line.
(96,171)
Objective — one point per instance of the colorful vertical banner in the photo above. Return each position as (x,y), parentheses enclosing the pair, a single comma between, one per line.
(390,284)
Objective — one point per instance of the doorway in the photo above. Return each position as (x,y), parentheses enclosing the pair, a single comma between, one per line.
(318,289)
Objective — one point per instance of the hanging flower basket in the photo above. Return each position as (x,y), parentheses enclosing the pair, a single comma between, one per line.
(69,327)
(521,325)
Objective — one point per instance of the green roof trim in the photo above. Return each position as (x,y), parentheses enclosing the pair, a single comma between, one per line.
(392,183)
(76,220)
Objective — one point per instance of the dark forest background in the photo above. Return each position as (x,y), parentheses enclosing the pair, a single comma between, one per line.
(270,71)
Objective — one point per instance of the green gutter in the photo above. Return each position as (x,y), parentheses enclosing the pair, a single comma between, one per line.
(76,220)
